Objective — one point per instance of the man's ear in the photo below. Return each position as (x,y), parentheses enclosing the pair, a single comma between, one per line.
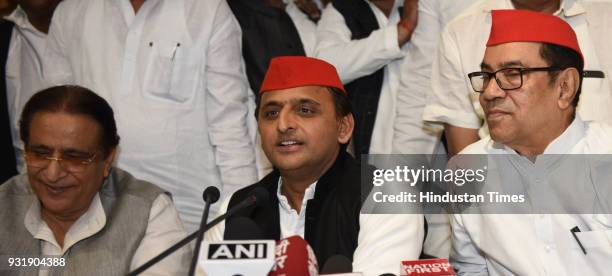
(346,125)
(108,161)
(568,81)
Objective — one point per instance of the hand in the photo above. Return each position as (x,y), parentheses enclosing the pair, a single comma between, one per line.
(309,8)
(408,23)
(279,4)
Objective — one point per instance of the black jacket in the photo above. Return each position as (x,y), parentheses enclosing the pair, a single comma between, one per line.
(332,216)
(267,32)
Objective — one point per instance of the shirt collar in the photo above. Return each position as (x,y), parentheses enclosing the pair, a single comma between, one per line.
(284,203)
(568,7)
(88,224)
(568,139)
(20,18)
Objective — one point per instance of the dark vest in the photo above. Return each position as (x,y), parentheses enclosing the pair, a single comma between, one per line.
(7,153)
(332,216)
(267,32)
(363,92)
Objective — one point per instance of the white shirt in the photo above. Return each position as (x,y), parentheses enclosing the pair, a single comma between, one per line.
(173,74)
(24,72)
(384,239)
(462,48)
(292,222)
(164,229)
(411,134)
(536,244)
(306,28)
(357,58)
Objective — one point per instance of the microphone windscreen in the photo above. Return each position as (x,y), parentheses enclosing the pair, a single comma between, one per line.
(242,228)
(212,193)
(261,195)
(294,257)
(337,264)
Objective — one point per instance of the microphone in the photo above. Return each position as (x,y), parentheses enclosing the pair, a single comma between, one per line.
(294,257)
(258,195)
(337,264)
(211,195)
(428,267)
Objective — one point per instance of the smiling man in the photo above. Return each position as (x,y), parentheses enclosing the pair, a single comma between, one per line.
(305,122)
(529,86)
(73,204)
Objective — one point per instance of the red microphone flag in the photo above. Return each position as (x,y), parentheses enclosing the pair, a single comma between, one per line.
(429,267)
(294,257)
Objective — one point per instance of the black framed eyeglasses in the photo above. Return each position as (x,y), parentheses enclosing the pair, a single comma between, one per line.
(506,78)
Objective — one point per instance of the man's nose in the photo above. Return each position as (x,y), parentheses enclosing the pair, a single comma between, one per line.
(54,171)
(493,91)
(286,121)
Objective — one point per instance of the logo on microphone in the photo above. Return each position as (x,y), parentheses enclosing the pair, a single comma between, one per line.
(430,267)
(245,257)
(237,251)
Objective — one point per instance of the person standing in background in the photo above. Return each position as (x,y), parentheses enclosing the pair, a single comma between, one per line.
(411,135)
(366,41)
(172,71)
(23,44)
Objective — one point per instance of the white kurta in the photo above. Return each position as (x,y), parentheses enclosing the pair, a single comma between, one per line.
(173,74)
(411,134)
(306,28)
(462,46)
(357,58)
(536,244)
(24,72)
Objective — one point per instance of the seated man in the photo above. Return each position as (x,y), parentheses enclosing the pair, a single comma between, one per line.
(73,204)
(529,89)
(305,122)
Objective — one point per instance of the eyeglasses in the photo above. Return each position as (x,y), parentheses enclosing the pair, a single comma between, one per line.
(506,78)
(69,162)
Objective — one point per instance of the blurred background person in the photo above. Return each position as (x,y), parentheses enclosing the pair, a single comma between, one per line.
(411,135)
(172,71)
(367,41)
(23,42)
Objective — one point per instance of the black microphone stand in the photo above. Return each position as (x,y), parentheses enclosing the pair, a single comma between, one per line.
(211,195)
(259,194)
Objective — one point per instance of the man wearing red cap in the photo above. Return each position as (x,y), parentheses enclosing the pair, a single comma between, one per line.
(305,121)
(528,87)
(451,100)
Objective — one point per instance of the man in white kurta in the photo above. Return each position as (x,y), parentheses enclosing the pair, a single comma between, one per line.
(172,71)
(451,100)
(530,115)
(411,135)
(24,71)
(384,48)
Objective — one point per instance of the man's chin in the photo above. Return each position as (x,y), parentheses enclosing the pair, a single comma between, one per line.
(282,161)
(499,135)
